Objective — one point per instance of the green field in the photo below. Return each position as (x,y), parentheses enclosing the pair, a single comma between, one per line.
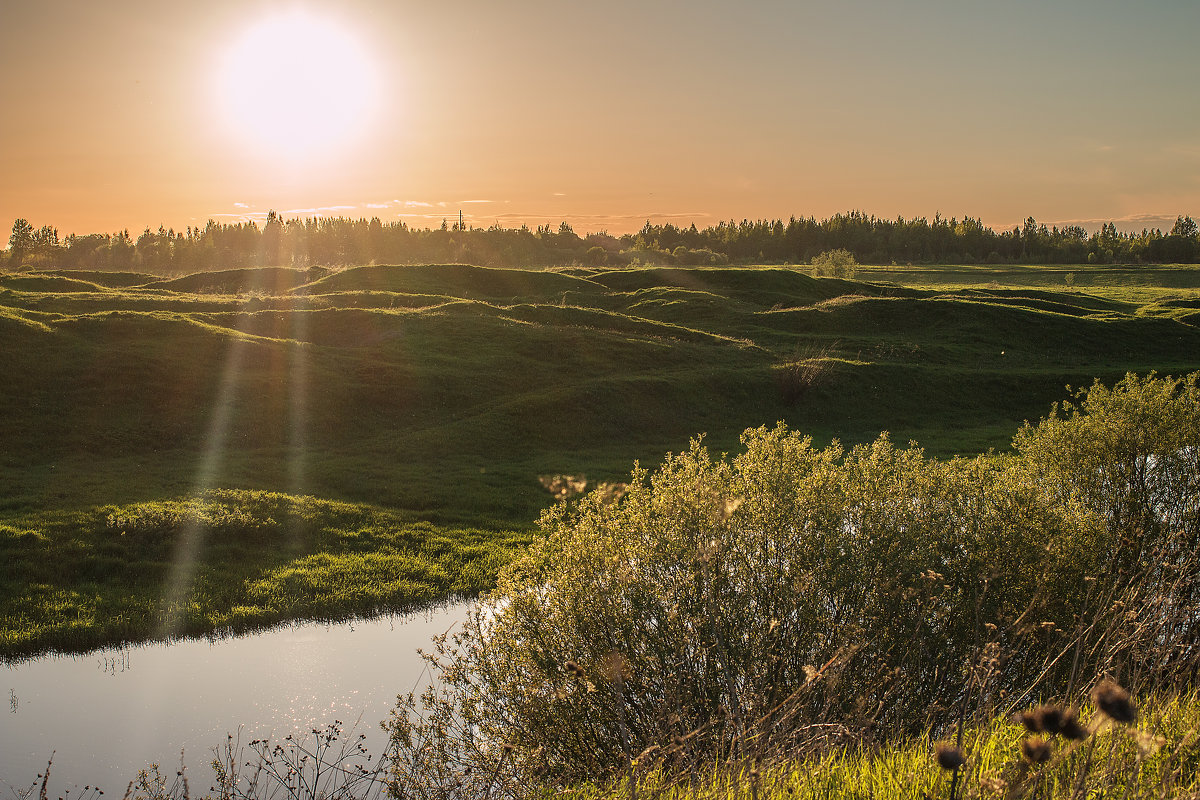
(419,401)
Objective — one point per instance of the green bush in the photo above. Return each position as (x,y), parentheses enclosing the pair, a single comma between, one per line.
(838,263)
(726,602)
(596,256)
(849,587)
(1129,457)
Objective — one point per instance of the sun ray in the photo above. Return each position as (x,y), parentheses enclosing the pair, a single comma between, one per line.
(298,369)
(181,577)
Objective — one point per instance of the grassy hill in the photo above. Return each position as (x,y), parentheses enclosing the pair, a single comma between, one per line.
(448,389)
(444,392)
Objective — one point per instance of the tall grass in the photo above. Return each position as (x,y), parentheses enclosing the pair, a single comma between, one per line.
(1157,757)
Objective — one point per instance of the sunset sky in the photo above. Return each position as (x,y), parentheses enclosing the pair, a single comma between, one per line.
(130,113)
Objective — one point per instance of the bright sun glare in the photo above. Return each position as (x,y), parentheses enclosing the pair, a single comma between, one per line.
(295,84)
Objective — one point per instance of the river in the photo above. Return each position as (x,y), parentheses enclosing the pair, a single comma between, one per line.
(106,714)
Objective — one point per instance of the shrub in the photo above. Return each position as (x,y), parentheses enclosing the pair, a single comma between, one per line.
(596,256)
(724,605)
(846,588)
(838,263)
(701,257)
(1130,457)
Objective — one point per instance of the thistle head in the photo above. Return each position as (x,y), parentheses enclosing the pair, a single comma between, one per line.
(1114,701)
(1035,749)
(948,756)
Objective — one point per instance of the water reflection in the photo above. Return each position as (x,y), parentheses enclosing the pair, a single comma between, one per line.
(107,714)
(113,664)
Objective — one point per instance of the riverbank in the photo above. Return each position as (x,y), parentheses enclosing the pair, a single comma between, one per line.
(226,561)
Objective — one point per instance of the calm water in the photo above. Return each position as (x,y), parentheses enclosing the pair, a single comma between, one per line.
(109,713)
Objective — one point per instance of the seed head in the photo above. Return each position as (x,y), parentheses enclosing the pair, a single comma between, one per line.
(1071,729)
(949,756)
(1035,749)
(1031,720)
(1114,701)
(1052,717)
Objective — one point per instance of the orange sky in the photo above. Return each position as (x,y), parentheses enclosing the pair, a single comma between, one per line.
(116,115)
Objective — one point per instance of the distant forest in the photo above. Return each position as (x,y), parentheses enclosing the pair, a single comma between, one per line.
(341,241)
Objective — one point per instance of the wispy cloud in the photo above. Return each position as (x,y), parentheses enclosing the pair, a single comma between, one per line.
(319,209)
(1130,223)
(431,213)
(1185,149)
(588,223)
(609,218)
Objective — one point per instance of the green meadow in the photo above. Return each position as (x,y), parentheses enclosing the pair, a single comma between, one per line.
(230,449)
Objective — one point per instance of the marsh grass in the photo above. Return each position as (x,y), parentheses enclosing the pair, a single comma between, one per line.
(1156,755)
(74,581)
(329,763)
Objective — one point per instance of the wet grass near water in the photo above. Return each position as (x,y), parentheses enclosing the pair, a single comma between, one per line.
(226,561)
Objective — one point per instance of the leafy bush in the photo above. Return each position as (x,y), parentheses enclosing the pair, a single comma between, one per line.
(1129,457)
(596,256)
(772,596)
(700,257)
(838,263)
(849,587)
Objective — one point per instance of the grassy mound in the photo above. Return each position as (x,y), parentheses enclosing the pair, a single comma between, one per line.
(402,375)
(264,280)
(224,560)
(760,287)
(46,283)
(110,280)
(456,280)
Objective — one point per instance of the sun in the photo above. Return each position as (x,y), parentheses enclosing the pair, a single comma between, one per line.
(295,84)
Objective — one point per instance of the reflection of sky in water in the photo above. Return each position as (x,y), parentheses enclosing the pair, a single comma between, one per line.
(112,712)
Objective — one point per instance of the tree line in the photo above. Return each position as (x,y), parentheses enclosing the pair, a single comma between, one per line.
(329,241)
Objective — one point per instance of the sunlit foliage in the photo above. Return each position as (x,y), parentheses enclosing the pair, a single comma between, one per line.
(729,602)
(76,580)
